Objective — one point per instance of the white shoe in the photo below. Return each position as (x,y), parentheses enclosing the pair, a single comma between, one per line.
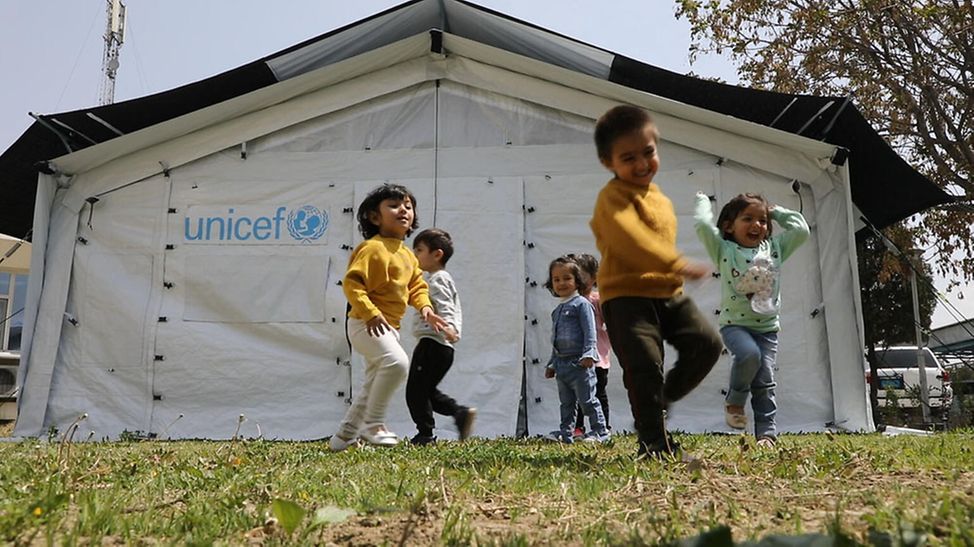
(337,444)
(378,435)
(735,420)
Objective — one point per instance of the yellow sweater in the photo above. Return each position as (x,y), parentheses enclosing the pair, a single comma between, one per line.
(383,276)
(635,232)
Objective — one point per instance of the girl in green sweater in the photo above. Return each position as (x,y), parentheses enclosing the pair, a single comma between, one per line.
(748,259)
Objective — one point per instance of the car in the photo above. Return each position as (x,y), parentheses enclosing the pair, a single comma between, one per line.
(898,378)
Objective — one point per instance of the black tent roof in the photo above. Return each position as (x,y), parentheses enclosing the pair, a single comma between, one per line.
(884,187)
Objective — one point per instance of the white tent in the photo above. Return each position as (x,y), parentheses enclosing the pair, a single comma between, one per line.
(174,289)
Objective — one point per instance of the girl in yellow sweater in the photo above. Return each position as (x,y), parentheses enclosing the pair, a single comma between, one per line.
(383,277)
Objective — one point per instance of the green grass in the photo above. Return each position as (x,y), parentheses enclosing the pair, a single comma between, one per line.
(863,488)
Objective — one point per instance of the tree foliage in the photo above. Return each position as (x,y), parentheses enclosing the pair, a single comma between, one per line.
(887,299)
(909,64)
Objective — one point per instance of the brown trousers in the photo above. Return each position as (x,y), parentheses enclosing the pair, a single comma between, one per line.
(637,328)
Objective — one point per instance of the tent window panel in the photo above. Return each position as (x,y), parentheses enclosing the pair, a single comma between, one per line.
(403,119)
(113,290)
(278,393)
(264,288)
(115,399)
(472,117)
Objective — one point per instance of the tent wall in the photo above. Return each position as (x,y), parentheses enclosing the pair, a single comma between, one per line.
(182,341)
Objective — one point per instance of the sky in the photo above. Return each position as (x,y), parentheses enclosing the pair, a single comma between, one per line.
(51,50)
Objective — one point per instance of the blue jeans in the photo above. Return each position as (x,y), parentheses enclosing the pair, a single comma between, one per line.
(576,385)
(753,372)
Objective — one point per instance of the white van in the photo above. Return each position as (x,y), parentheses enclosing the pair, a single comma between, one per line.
(897,373)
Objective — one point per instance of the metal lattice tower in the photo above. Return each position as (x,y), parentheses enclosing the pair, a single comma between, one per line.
(114,35)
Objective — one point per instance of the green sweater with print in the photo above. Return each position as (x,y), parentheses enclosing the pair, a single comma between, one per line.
(744,271)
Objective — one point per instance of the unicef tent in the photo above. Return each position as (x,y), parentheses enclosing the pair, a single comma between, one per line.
(186,274)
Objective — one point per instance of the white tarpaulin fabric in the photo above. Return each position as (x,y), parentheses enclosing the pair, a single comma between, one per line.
(14,254)
(179,301)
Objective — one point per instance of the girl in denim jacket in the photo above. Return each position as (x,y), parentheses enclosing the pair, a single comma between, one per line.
(573,352)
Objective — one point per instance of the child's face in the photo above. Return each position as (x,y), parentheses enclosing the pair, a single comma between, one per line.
(634,158)
(562,280)
(750,227)
(429,261)
(393,217)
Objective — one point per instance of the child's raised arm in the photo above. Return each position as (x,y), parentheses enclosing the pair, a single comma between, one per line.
(796,230)
(709,234)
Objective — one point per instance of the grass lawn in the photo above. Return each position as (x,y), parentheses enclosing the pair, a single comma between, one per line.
(865,488)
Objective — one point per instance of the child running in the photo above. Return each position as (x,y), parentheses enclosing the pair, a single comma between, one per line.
(641,279)
(749,261)
(383,277)
(590,268)
(573,352)
(433,355)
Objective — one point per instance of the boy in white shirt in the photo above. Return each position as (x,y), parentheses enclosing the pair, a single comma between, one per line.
(433,355)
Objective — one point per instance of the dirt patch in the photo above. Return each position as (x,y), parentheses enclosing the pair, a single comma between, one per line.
(638,509)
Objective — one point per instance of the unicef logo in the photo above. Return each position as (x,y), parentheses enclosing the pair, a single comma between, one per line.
(307,223)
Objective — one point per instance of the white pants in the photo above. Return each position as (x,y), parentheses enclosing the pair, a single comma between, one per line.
(386,366)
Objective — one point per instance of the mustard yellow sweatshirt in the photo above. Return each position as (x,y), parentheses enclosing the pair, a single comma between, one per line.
(383,276)
(635,232)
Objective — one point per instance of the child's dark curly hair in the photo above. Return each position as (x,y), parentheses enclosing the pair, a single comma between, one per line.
(618,121)
(568,262)
(734,207)
(371,205)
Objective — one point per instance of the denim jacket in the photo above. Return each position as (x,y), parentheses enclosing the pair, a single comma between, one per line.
(573,331)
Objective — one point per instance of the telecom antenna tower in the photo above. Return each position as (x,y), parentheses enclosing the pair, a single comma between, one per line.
(114,35)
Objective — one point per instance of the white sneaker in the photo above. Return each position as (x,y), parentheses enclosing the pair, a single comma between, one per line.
(337,444)
(735,420)
(378,435)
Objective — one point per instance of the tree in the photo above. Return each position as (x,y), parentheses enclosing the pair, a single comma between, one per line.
(909,64)
(887,299)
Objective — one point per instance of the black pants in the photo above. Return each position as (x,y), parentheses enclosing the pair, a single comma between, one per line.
(637,328)
(601,379)
(430,363)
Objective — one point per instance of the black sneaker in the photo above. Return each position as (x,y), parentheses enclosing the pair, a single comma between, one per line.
(666,450)
(464,419)
(421,440)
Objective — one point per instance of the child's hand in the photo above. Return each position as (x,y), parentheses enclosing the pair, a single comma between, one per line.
(587,362)
(450,334)
(695,270)
(433,320)
(377,326)
(549,372)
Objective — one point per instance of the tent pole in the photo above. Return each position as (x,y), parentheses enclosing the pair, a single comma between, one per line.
(54,130)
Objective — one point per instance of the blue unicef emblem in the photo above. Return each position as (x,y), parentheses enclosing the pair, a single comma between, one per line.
(307,223)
